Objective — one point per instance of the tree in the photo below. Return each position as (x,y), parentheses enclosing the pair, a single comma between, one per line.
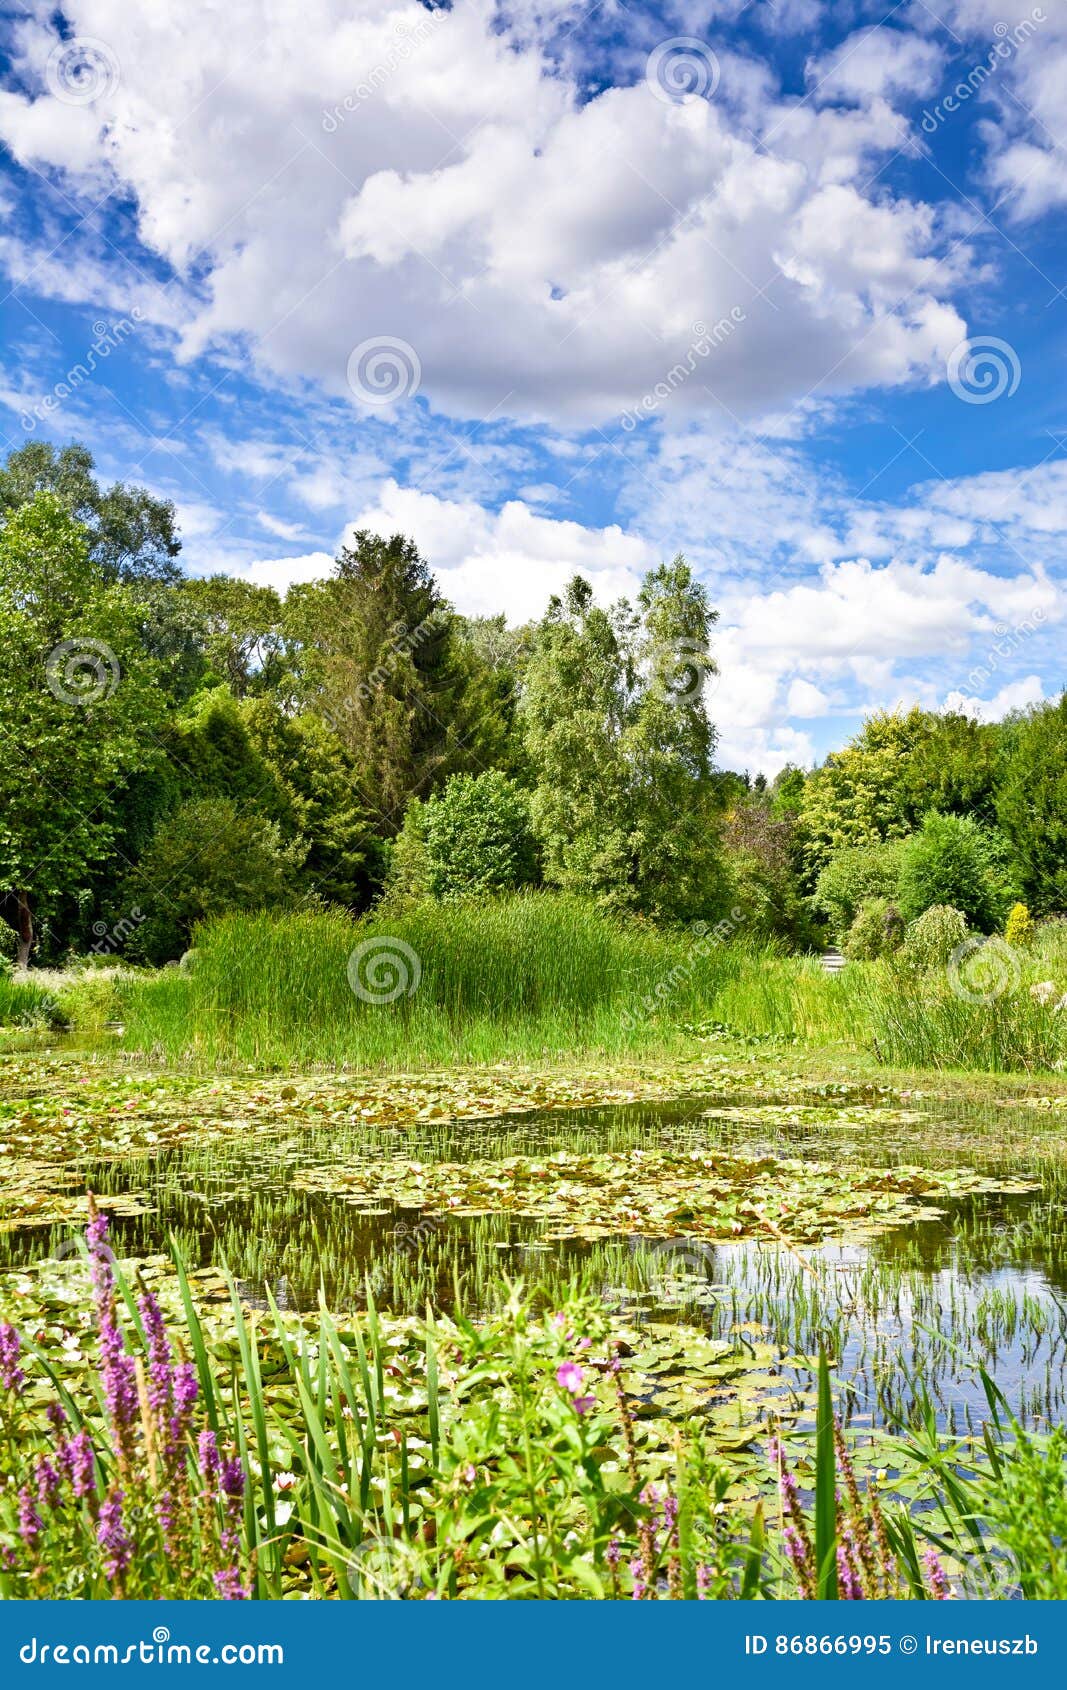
(474,837)
(129,535)
(208,856)
(381,661)
(619,743)
(896,769)
(241,632)
(1032,804)
(79,708)
(954,860)
(853,875)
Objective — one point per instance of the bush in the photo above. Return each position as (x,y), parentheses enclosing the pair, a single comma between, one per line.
(953,860)
(473,838)
(1019,927)
(208,856)
(877,931)
(933,936)
(854,875)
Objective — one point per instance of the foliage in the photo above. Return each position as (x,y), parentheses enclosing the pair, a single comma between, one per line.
(619,741)
(242,639)
(128,1497)
(1019,929)
(129,535)
(933,936)
(852,876)
(208,856)
(877,931)
(1032,804)
(760,856)
(380,658)
(78,706)
(475,837)
(955,860)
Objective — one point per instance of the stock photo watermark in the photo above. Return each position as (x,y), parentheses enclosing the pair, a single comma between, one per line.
(1009,39)
(683,68)
(107,338)
(704,342)
(82,671)
(983,370)
(383,969)
(408,39)
(383,370)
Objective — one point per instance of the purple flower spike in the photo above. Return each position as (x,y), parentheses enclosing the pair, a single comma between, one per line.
(848,1583)
(936,1576)
(12,1377)
(30,1522)
(112,1535)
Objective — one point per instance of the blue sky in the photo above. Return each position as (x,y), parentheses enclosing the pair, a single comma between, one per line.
(557,286)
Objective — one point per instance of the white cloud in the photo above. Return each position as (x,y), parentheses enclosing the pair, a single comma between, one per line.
(1015,695)
(875,63)
(388,171)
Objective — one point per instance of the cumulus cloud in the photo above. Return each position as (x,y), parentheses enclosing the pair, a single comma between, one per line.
(346,170)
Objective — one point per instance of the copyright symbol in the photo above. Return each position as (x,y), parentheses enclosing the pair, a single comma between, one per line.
(908,1645)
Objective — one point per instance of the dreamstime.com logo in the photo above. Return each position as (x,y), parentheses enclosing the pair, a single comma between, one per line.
(983,370)
(81,71)
(982,970)
(82,671)
(384,370)
(158,1650)
(682,69)
(382,969)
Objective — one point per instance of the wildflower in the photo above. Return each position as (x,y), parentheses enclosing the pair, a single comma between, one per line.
(48,1481)
(11,1375)
(582,1405)
(119,1374)
(936,1577)
(112,1535)
(613,1554)
(848,1582)
(30,1522)
(640,1589)
(160,1359)
(229,1586)
(78,1459)
(208,1457)
(56,1415)
(570,1376)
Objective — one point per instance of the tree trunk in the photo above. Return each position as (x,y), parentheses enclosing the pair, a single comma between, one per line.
(25,930)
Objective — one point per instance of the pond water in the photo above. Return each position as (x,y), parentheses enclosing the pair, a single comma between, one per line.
(983,1283)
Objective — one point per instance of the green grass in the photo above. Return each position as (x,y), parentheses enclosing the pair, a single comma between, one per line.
(524,977)
(25,1003)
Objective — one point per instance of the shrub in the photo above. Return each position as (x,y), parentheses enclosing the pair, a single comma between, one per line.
(877,931)
(953,860)
(933,936)
(473,838)
(852,876)
(206,857)
(1019,927)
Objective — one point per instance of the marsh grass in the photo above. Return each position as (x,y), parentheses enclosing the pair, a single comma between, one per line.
(524,977)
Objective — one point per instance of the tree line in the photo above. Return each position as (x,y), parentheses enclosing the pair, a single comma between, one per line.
(174,747)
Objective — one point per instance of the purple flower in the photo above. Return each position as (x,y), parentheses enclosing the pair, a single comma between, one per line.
(57,1416)
(638,1573)
(613,1553)
(703,1581)
(582,1405)
(112,1535)
(570,1376)
(30,1523)
(48,1481)
(11,1375)
(848,1582)
(229,1586)
(936,1576)
(78,1458)
(208,1457)
(160,1358)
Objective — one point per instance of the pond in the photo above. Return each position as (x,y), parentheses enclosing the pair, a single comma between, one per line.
(775,1216)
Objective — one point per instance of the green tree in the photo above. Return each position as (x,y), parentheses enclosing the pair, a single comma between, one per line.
(620,745)
(380,659)
(241,631)
(129,535)
(475,836)
(208,856)
(853,875)
(954,860)
(79,708)
(1032,804)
